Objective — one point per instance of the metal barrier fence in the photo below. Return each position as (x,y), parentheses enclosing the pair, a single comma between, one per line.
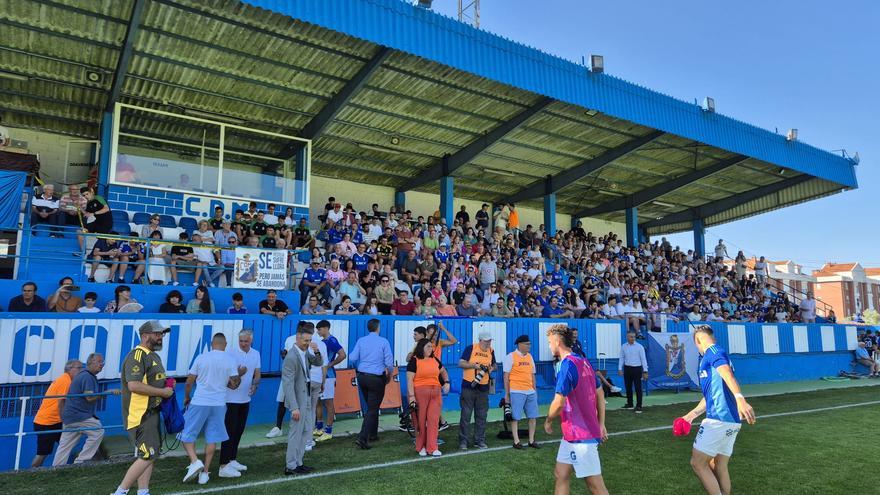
(20,434)
(29,253)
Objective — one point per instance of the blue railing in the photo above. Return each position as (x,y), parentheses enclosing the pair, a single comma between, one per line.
(21,433)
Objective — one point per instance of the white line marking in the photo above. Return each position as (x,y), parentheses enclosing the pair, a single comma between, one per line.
(403,462)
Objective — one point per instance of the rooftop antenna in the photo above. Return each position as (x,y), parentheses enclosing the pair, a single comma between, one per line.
(469,12)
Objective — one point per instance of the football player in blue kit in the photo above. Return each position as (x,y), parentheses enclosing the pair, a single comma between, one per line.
(725,409)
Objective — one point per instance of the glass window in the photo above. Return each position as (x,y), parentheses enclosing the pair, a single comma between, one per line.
(160,150)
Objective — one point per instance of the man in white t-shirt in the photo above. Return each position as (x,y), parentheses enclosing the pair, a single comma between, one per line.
(5,138)
(270,218)
(238,401)
(212,372)
(808,309)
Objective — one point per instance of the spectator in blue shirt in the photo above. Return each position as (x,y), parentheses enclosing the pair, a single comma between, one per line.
(237,307)
(555,311)
(374,362)
(227,260)
(79,414)
(314,282)
(863,358)
(361,259)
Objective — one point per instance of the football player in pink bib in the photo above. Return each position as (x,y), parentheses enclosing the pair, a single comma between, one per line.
(580,401)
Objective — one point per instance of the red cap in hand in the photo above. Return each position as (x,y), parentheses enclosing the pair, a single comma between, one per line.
(681,427)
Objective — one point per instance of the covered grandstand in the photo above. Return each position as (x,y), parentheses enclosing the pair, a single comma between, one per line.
(408,100)
(194,105)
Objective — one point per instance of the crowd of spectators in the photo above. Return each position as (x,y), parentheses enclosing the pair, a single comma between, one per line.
(395,263)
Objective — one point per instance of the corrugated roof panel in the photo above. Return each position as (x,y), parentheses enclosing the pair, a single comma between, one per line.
(417,31)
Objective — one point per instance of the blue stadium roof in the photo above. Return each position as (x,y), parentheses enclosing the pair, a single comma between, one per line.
(402,26)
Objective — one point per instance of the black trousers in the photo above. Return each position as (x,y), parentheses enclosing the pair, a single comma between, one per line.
(236,419)
(279,415)
(373,389)
(632,375)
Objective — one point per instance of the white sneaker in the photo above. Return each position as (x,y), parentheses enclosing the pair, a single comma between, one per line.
(175,283)
(436,453)
(228,471)
(237,466)
(615,389)
(192,470)
(423,452)
(274,432)
(195,284)
(310,446)
(203,478)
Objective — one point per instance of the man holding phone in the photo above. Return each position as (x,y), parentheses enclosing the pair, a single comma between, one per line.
(63,300)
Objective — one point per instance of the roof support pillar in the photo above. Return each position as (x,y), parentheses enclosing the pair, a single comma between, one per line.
(447,195)
(400,201)
(632,227)
(699,237)
(549,207)
(106,148)
(644,238)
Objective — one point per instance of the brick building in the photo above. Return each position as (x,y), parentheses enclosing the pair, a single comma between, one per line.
(848,287)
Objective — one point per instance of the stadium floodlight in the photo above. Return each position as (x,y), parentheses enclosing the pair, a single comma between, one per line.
(597,64)
(496,171)
(792,135)
(382,149)
(664,205)
(14,77)
(709,104)
(591,112)
(425,4)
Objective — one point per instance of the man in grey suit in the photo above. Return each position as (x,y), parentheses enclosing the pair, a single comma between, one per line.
(295,382)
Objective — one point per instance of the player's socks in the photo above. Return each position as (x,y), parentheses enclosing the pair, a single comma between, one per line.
(120,491)
(319,425)
(144,491)
(328,429)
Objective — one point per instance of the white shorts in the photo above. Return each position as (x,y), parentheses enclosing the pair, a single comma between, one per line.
(584,457)
(329,388)
(716,437)
(280,396)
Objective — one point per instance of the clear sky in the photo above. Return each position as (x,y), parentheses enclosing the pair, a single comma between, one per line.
(810,64)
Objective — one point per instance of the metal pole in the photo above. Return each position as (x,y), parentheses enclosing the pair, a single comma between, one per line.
(20,433)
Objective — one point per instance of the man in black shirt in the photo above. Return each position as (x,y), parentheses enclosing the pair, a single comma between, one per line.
(483,217)
(463,217)
(181,255)
(259,226)
(273,306)
(239,226)
(217,221)
(302,235)
(107,250)
(28,301)
(270,241)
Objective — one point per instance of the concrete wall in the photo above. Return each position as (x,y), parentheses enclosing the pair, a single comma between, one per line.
(52,150)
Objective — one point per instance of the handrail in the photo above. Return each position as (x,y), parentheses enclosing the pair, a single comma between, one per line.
(26,250)
(791,290)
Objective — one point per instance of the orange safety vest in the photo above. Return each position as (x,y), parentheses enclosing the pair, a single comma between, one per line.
(478,356)
(521,372)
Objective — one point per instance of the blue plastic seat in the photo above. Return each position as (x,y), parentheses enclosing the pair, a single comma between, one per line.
(167,221)
(119,216)
(141,218)
(188,224)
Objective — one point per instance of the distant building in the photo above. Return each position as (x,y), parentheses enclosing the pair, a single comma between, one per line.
(848,288)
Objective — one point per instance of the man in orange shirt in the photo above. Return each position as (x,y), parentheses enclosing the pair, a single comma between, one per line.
(513,221)
(48,417)
(519,389)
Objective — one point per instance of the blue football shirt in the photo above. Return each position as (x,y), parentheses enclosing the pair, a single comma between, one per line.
(720,402)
